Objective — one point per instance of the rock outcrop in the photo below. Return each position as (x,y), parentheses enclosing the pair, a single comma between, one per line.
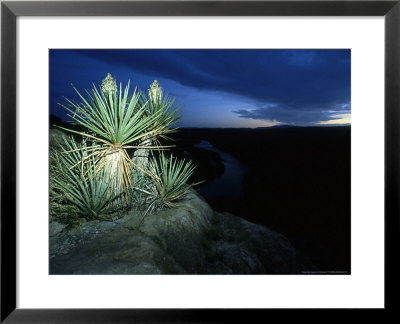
(191,239)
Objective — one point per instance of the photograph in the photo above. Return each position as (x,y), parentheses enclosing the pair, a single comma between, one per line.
(199,161)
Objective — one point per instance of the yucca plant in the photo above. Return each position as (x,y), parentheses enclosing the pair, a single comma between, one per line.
(98,176)
(167,114)
(117,121)
(164,108)
(141,192)
(76,181)
(170,177)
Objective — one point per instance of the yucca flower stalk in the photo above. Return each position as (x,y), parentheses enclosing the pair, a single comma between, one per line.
(116,121)
(167,115)
(164,108)
(108,85)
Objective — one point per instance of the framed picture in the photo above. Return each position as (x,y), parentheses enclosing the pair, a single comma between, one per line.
(280,187)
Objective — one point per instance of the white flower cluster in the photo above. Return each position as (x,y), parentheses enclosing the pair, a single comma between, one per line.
(108,84)
(155,92)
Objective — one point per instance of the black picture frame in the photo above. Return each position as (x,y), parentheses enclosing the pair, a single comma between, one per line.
(10,10)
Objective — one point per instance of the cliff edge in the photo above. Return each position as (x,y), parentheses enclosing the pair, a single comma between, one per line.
(191,239)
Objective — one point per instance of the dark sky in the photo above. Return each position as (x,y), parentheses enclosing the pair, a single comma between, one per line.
(220,88)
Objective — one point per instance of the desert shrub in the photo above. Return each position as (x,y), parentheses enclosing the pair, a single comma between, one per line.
(98,176)
(76,185)
(170,177)
(116,124)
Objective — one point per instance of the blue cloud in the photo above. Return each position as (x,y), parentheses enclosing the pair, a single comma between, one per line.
(289,86)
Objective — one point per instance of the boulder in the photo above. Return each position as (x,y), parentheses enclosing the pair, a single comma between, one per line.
(189,239)
(247,248)
(118,252)
(55,228)
(181,231)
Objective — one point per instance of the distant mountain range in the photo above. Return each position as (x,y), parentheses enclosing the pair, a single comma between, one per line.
(280,126)
(296,126)
(55,120)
